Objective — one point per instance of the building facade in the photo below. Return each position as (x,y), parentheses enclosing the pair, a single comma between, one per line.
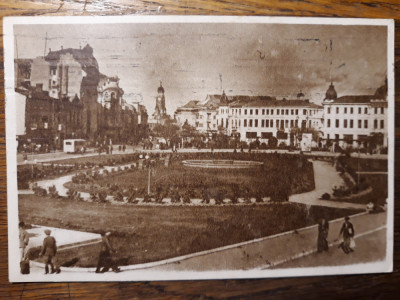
(261,118)
(49,121)
(87,104)
(347,121)
(356,121)
(252,118)
(203,115)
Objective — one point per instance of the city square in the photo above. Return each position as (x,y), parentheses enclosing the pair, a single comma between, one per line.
(258,162)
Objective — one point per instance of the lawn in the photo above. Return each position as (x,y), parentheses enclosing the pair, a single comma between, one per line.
(150,233)
(280,176)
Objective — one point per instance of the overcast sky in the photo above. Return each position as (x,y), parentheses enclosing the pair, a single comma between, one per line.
(193,60)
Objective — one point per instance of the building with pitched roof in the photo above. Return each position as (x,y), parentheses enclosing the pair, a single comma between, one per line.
(355,120)
(251,117)
(98,110)
(263,117)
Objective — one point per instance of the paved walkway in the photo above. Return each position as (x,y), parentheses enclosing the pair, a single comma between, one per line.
(65,238)
(370,247)
(47,157)
(290,249)
(325,178)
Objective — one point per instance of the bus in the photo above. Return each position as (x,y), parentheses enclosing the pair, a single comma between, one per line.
(74,146)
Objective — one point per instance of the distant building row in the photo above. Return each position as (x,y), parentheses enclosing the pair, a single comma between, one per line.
(346,120)
(64,95)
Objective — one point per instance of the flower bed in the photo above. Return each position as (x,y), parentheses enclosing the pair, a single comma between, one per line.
(276,176)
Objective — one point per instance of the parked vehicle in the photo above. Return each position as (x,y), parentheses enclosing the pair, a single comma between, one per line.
(74,146)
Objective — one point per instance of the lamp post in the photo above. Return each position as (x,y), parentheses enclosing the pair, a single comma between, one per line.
(147,157)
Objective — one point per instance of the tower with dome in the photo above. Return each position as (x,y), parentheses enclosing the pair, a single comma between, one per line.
(160,111)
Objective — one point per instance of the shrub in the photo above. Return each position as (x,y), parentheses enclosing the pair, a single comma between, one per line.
(326,196)
(146,198)
(102,196)
(118,196)
(53,191)
(93,197)
(39,191)
(219,196)
(235,192)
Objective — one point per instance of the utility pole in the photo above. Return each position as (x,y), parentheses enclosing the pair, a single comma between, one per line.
(45,45)
(148,183)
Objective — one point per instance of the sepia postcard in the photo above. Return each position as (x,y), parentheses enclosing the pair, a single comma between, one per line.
(198,147)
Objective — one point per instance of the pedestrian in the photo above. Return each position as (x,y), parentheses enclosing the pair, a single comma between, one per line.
(323,230)
(123,147)
(23,240)
(105,261)
(347,231)
(49,251)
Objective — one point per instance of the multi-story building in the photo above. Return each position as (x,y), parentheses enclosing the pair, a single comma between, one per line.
(49,121)
(22,72)
(355,120)
(188,113)
(72,75)
(203,115)
(252,117)
(263,117)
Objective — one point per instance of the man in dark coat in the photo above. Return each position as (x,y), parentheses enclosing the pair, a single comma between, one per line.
(105,259)
(347,231)
(49,251)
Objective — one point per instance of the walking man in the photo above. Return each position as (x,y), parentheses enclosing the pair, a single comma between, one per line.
(49,251)
(23,240)
(105,259)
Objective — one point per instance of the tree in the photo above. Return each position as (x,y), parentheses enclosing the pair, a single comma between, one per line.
(168,130)
(188,130)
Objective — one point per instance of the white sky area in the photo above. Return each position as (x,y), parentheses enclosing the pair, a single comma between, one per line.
(193,60)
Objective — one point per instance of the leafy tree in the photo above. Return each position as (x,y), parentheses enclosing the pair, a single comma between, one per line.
(188,130)
(168,130)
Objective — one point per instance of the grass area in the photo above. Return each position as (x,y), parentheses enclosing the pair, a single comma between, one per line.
(278,178)
(144,233)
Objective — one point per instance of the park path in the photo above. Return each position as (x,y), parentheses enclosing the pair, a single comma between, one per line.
(60,181)
(325,178)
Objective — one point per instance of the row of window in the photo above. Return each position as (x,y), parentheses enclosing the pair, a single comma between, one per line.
(271,123)
(267,111)
(360,123)
(361,110)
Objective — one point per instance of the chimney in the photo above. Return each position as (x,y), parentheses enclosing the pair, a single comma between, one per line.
(49,50)
(62,47)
